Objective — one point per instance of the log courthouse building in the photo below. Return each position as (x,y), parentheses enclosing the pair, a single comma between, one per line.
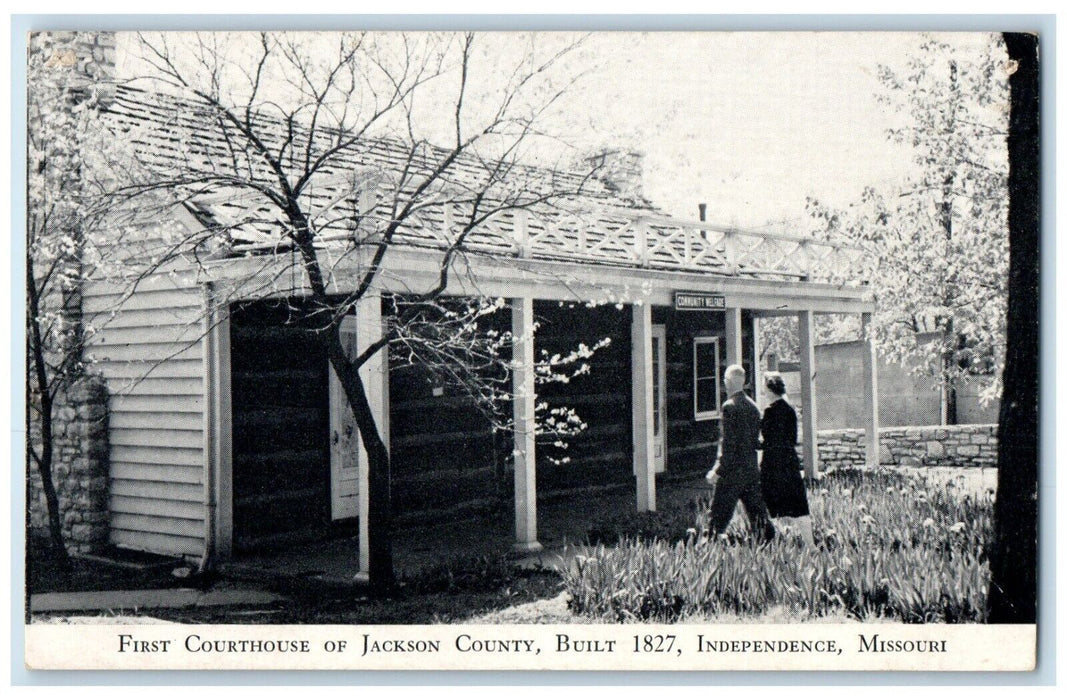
(227,433)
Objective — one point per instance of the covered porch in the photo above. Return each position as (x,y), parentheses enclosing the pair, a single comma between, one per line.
(648,418)
(665,266)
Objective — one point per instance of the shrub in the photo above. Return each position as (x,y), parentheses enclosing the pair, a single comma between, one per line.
(888,546)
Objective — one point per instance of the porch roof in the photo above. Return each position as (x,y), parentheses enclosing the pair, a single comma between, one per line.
(412,270)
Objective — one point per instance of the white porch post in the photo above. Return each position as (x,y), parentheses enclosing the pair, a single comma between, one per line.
(522,388)
(372,373)
(870,392)
(641,382)
(807,393)
(733,336)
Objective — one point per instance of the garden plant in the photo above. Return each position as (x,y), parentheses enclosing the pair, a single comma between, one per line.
(889,546)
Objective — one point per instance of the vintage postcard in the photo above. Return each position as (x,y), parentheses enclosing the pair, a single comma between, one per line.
(532,350)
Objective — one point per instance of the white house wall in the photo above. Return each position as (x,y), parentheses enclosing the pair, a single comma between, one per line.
(149,349)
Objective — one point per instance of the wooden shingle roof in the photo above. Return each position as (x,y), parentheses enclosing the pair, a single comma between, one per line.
(349,201)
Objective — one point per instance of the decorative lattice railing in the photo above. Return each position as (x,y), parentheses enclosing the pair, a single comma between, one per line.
(616,236)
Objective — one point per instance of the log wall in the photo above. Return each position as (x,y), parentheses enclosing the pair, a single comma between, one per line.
(280,408)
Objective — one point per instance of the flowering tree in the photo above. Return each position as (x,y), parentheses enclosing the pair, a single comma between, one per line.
(68,150)
(937,245)
(288,126)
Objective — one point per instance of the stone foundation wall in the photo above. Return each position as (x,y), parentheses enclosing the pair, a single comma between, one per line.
(80,467)
(935,445)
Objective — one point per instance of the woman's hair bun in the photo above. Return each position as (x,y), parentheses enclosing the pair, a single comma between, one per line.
(774,382)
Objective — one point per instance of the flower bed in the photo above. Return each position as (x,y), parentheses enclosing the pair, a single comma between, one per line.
(888,545)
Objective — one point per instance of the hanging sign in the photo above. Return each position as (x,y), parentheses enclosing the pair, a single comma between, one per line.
(699,301)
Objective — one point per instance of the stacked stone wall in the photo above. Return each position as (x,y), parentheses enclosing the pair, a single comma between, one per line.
(934,445)
(80,466)
(91,55)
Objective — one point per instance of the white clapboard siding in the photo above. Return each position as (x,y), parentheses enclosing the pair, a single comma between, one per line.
(164,490)
(157,455)
(147,437)
(157,524)
(148,346)
(156,543)
(154,506)
(146,352)
(183,333)
(153,403)
(136,372)
(192,387)
(169,296)
(157,420)
(132,318)
(169,473)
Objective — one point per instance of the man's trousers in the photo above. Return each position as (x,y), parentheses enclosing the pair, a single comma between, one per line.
(727,493)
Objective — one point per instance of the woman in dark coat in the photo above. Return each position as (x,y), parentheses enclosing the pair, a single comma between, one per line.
(783,486)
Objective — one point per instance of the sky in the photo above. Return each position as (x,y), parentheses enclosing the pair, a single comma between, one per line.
(751,124)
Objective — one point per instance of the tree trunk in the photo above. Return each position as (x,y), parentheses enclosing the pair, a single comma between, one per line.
(949,369)
(35,348)
(44,466)
(1013,589)
(949,365)
(379,476)
(379,521)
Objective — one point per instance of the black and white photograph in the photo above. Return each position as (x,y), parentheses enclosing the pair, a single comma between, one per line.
(721,345)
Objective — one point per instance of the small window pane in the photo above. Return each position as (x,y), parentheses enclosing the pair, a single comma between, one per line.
(705,359)
(706,395)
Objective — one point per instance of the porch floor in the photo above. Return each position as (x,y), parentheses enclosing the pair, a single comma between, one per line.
(561,521)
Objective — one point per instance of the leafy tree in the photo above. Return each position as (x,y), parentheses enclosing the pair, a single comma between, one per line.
(937,244)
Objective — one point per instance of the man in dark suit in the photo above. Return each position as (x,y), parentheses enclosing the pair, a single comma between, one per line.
(736,474)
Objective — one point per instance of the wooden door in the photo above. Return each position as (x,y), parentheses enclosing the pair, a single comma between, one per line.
(344,438)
